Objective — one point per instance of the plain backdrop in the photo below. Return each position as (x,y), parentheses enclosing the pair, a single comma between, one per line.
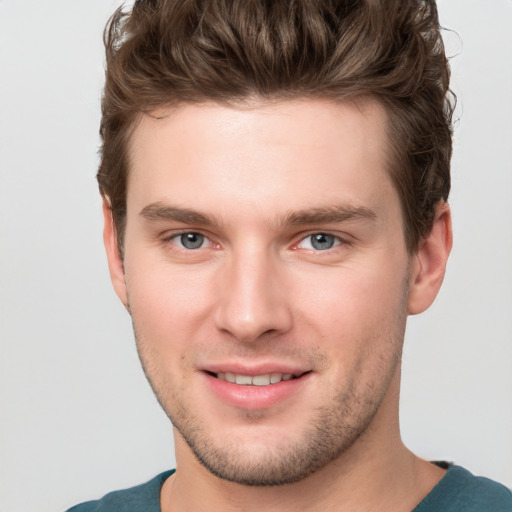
(77,418)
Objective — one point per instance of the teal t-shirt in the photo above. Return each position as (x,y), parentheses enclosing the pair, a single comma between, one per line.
(457,491)
(460,491)
(142,498)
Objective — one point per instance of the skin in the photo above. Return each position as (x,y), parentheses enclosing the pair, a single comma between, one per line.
(257,293)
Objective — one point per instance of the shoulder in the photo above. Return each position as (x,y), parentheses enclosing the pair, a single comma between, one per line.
(141,498)
(459,490)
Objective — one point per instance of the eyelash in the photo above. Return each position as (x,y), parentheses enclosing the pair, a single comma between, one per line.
(336,240)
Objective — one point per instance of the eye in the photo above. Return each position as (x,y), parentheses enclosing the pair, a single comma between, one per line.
(319,242)
(190,240)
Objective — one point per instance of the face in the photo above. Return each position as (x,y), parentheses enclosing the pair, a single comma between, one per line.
(267,277)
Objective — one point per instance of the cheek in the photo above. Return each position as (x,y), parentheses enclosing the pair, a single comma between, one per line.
(168,305)
(359,324)
(353,308)
(169,312)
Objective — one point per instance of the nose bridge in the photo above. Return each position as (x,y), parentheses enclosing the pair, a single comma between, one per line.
(253,300)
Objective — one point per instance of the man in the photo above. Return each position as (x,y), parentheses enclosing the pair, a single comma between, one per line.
(275,178)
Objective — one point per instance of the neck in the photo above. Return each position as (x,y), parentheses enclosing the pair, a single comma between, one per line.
(376,473)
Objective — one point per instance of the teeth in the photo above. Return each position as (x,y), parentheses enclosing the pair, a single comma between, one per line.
(245,380)
(261,380)
(230,377)
(275,378)
(257,380)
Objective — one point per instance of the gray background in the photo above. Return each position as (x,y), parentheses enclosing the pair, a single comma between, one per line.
(77,418)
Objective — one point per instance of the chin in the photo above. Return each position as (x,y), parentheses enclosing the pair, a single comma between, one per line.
(270,457)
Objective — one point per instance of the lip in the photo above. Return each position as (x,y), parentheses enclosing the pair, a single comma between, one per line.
(253,398)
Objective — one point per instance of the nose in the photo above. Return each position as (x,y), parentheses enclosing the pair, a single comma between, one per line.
(253,299)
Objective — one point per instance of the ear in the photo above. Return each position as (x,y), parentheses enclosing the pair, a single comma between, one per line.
(115,262)
(429,263)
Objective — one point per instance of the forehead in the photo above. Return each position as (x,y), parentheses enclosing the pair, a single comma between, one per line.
(266,156)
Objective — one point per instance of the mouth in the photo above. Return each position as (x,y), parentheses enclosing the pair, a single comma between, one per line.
(266,379)
(256,389)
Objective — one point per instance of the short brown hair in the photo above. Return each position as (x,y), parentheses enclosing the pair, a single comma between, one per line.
(167,52)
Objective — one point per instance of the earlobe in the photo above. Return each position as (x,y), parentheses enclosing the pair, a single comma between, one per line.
(115,261)
(429,263)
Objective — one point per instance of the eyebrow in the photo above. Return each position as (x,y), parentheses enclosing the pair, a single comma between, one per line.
(321,215)
(329,214)
(162,212)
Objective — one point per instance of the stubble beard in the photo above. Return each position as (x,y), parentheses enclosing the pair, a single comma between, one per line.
(331,430)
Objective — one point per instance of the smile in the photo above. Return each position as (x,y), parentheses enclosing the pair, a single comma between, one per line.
(256,380)
(256,389)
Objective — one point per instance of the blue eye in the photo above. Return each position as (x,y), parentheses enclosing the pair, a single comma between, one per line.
(320,242)
(191,240)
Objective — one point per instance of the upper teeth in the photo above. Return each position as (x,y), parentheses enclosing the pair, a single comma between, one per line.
(257,380)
